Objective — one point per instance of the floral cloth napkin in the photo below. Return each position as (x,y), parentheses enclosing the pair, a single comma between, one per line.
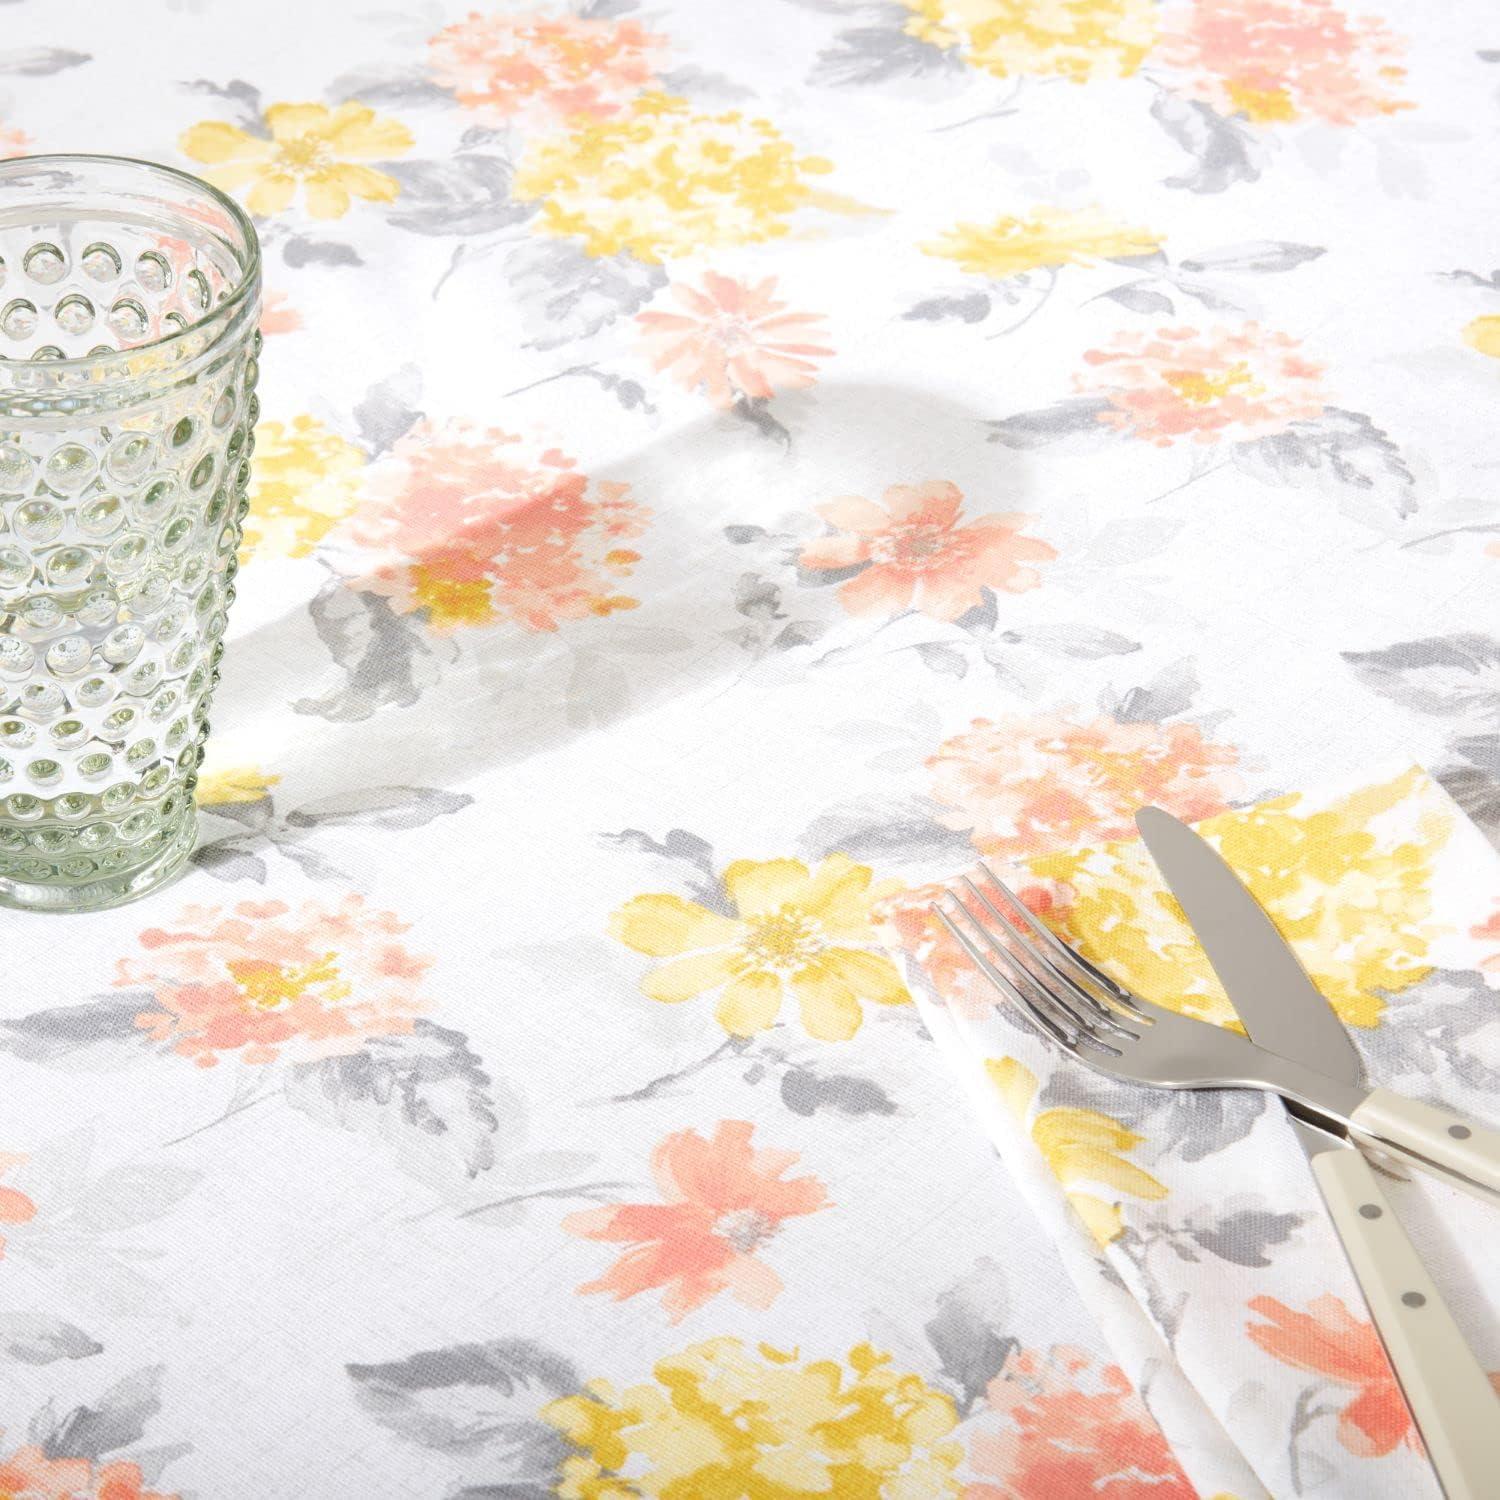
(1189,1220)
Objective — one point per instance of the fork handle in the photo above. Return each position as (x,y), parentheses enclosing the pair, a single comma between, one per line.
(1465,1153)
(1455,1407)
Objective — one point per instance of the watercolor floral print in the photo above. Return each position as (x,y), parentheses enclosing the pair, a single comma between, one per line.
(792,930)
(468,526)
(722,1200)
(708,496)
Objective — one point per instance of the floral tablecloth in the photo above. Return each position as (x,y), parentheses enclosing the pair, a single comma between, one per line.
(721,464)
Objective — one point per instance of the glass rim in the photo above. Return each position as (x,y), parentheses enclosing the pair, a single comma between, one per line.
(226,310)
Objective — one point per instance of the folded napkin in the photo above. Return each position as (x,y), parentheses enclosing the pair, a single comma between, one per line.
(1190,1221)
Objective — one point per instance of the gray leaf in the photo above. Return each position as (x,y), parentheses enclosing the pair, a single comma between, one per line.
(1490,283)
(606,9)
(115,1421)
(1254,255)
(1426,1032)
(1224,151)
(541,1490)
(1086,642)
(1242,1236)
(312,863)
(966,1334)
(256,816)
(970,307)
(131,1195)
(383,655)
(1478,794)
(1141,299)
(681,847)
(1131,539)
(757,597)
(1451,676)
(1340,451)
(299,250)
(631,394)
(1191,1124)
(740,535)
(805,1093)
(598,691)
(1482,750)
(386,414)
(403,88)
(100,1032)
(1209,294)
(1078,416)
(425,1096)
(41,62)
(980,620)
(37,1339)
(469,1398)
(566,294)
(396,807)
(880,829)
(226,861)
(1170,694)
(243,97)
(877,54)
(1153,260)
(937,657)
(757,414)
(467,193)
(702,83)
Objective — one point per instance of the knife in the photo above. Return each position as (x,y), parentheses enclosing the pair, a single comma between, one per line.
(1450,1396)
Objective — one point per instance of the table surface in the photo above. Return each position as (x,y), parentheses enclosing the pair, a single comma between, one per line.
(718,462)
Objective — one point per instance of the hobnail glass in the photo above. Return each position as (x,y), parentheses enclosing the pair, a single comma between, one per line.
(129,296)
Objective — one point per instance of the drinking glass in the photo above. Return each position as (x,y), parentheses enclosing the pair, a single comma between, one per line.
(129,297)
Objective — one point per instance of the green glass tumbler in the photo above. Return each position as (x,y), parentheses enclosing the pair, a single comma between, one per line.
(129,298)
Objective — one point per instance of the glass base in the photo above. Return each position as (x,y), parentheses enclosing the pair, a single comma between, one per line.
(115,889)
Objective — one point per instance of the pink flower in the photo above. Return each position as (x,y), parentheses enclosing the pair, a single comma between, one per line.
(504,65)
(1328,1340)
(735,342)
(28,1474)
(723,1200)
(15,1206)
(1029,785)
(476,529)
(1490,931)
(919,557)
(277,315)
(259,979)
(1067,1429)
(1226,383)
(13,142)
(1280,60)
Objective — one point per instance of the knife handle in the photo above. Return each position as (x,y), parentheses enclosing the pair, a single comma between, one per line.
(1462,1152)
(1455,1407)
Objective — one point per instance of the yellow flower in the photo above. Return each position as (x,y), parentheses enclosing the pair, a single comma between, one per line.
(723,1419)
(1347,885)
(1080,1146)
(305,480)
(1046,237)
(810,933)
(1074,39)
(234,784)
(310,145)
(663,179)
(1483,334)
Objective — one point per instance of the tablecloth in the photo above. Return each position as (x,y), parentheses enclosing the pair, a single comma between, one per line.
(718,462)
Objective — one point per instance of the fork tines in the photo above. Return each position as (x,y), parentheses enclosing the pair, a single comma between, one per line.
(1060,991)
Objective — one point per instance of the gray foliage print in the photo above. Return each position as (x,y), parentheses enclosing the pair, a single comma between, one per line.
(99,1033)
(39,1339)
(1242,1231)
(1450,676)
(388,411)
(116,1420)
(425,1096)
(466,194)
(476,1401)
(41,62)
(566,294)
(1077,417)
(967,1334)
(1223,151)
(879,830)
(962,307)
(1170,693)
(806,1092)
(1426,1030)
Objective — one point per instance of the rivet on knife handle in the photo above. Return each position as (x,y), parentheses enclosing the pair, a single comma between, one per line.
(1450,1396)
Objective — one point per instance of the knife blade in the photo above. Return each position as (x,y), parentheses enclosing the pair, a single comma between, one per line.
(1446,1389)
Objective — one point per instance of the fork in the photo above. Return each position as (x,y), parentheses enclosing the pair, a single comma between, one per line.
(1115,1031)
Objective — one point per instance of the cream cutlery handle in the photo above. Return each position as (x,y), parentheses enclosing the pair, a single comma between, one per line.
(1451,1398)
(1466,1154)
